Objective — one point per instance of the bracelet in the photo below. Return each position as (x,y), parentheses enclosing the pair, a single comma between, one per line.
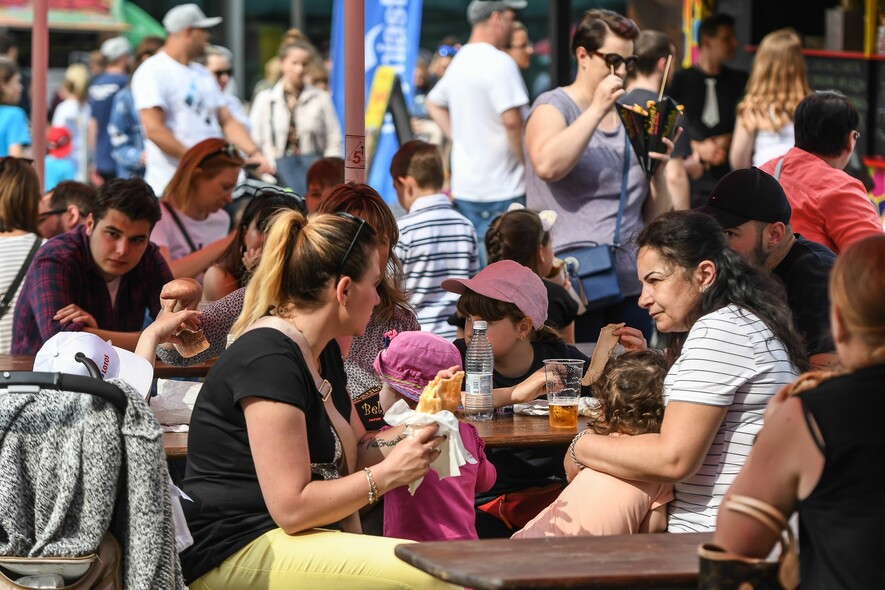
(571,449)
(373,489)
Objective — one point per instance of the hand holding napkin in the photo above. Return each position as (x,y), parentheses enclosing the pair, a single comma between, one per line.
(452,452)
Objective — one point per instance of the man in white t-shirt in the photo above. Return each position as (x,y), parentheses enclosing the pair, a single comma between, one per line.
(477,104)
(179,101)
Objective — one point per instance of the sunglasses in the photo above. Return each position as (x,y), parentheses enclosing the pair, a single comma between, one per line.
(228,72)
(228,149)
(614,60)
(278,192)
(356,236)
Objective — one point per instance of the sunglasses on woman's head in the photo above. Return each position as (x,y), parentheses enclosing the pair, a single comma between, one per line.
(229,149)
(363,223)
(614,60)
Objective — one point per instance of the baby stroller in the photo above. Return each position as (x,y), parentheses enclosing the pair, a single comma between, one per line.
(83,496)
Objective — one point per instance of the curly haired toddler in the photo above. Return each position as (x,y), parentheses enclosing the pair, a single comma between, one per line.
(630,392)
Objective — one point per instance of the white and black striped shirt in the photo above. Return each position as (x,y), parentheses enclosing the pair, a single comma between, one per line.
(14,250)
(730,359)
(435,243)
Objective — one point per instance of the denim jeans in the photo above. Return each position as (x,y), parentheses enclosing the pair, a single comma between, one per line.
(481,215)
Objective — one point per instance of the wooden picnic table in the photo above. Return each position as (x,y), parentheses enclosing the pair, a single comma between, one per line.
(508,430)
(624,561)
(25,362)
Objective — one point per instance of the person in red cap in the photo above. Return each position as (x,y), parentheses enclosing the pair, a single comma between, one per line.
(59,165)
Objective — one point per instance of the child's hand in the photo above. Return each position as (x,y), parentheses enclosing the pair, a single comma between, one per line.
(532,388)
(630,338)
(448,373)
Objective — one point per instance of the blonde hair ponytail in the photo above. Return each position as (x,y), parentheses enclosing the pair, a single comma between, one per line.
(300,259)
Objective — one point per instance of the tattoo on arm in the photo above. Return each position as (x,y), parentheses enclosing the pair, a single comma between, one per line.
(378,443)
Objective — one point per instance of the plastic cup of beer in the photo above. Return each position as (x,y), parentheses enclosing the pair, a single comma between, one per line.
(563,378)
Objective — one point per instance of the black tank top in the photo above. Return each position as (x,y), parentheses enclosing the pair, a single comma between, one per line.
(842,522)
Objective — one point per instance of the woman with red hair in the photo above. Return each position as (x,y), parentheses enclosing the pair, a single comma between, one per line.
(195,229)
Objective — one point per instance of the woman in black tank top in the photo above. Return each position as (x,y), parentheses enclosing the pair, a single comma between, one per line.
(820,452)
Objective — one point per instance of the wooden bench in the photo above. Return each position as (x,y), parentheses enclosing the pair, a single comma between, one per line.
(625,561)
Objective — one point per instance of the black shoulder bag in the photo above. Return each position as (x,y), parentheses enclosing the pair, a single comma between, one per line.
(180,225)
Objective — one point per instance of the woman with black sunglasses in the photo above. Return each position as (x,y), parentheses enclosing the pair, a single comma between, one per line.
(279,463)
(577,145)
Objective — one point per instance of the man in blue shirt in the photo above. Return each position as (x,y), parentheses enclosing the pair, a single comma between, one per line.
(118,53)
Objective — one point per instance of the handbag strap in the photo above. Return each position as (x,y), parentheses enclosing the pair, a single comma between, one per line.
(624,175)
(350,523)
(775,521)
(273,131)
(616,243)
(180,225)
(13,287)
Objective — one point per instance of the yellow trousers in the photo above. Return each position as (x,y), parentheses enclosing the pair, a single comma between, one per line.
(317,559)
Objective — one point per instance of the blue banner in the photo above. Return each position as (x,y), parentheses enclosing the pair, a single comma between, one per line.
(393,30)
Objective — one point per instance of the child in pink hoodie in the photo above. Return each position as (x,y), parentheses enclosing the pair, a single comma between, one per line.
(441,509)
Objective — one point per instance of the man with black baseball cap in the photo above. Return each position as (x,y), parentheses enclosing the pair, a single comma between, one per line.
(755,214)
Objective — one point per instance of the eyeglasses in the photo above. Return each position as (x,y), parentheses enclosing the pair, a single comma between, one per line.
(614,60)
(46,214)
(447,50)
(228,149)
(228,72)
(356,236)
(525,46)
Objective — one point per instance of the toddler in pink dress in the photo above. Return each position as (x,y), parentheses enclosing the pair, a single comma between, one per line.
(441,509)
(630,392)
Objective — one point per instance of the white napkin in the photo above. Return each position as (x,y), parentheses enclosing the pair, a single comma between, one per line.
(174,401)
(452,452)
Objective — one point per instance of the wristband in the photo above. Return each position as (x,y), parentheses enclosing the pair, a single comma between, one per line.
(373,489)
(571,449)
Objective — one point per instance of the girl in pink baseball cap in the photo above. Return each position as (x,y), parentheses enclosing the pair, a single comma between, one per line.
(513,300)
(441,509)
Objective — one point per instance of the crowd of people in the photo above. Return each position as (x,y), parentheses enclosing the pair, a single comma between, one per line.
(744,259)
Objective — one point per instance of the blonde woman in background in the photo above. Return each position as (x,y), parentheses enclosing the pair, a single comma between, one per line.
(764,126)
(74,113)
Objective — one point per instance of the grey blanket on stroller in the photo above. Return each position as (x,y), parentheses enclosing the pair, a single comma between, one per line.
(61,456)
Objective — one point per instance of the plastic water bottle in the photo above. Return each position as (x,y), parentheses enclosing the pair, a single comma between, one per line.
(479,366)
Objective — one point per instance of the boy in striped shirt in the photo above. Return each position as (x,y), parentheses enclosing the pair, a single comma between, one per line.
(435,241)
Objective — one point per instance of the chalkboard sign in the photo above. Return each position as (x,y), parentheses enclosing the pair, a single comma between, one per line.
(851,76)
(877,117)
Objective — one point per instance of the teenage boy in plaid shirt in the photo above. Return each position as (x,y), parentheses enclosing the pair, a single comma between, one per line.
(100,277)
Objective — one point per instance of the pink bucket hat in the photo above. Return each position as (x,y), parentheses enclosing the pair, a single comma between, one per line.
(412,360)
(509,281)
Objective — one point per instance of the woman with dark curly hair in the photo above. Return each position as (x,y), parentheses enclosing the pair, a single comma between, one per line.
(732,346)
(630,393)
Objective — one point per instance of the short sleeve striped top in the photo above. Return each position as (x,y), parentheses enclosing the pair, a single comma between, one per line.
(730,358)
